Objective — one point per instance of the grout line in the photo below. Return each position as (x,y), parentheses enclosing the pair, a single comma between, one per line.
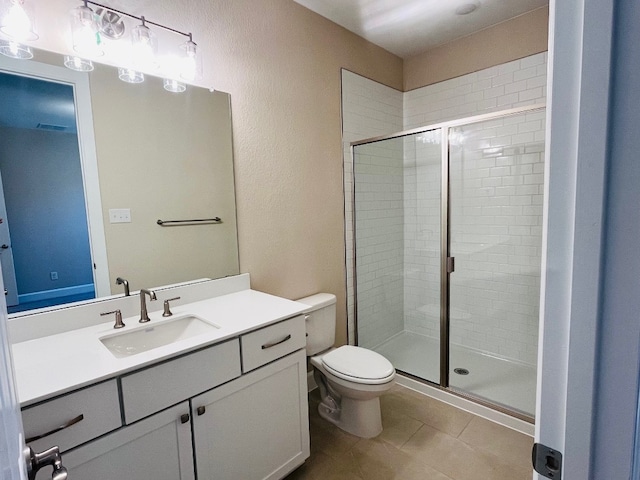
(466,425)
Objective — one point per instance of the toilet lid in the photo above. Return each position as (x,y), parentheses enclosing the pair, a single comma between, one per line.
(359,364)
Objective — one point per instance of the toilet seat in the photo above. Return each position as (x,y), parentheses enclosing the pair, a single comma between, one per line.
(358,365)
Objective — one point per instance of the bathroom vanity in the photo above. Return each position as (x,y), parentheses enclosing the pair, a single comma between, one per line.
(227,400)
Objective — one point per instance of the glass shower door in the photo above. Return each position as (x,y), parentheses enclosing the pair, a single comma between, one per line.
(496,192)
(397,250)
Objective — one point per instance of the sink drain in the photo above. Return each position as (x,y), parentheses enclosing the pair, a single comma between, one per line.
(461,371)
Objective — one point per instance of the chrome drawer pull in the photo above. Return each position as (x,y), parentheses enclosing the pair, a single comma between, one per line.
(273,344)
(71,422)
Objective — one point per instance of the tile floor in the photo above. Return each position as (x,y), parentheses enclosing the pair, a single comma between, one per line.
(422,438)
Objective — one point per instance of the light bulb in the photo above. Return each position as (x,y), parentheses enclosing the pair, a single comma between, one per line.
(78,64)
(174,86)
(13,49)
(130,76)
(144,46)
(85,32)
(16,23)
(189,68)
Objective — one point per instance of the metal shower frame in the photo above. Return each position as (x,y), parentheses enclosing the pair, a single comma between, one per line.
(446,261)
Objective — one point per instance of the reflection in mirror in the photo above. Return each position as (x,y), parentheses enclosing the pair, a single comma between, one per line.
(42,207)
(142,154)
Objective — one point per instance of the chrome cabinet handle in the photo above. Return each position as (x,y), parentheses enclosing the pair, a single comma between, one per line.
(71,422)
(278,342)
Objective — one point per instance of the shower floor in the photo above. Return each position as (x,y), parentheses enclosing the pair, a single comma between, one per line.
(499,381)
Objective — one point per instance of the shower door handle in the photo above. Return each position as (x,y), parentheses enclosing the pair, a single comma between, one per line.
(451,264)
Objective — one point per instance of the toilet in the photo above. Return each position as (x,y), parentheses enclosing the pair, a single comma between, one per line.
(351,379)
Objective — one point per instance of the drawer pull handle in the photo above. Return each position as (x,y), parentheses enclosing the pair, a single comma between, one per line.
(273,344)
(184,418)
(200,410)
(71,422)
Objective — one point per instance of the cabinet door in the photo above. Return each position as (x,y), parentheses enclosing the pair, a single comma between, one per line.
(255,427)
(156,448)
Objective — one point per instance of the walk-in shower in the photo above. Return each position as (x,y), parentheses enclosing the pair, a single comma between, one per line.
(447,234)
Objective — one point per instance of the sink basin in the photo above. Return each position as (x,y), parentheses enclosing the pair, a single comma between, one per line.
(125,344)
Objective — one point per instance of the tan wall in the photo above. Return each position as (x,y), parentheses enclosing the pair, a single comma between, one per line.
(281,64)
(516,38)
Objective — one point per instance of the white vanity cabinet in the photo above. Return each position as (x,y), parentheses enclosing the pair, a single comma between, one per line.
(237,408)
(256,427)
(156,448)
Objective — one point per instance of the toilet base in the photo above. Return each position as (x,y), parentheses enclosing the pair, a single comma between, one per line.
(361,418)
(358,413)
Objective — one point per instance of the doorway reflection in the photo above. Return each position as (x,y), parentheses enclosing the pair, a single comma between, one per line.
(45,251)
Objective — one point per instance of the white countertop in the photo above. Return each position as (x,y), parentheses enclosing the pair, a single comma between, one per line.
(49,366)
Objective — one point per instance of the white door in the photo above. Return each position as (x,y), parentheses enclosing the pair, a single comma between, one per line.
(12,466)
(579,59)
(13,450)
(6,254)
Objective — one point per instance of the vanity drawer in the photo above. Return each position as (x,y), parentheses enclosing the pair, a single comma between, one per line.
(272,342)
(84,414)
(150,390)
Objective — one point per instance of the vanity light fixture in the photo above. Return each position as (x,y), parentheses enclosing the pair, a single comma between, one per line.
(78,64)
(144,46)
(189,68)
(13,49)
(16,25)
(174,86)
(85,32)
(88,30)
(130,75)
(15,21)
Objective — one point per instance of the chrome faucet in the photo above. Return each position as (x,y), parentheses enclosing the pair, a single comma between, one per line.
(144,316)
(123,281)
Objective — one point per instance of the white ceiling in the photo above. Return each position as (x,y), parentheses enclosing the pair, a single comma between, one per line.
(409,27)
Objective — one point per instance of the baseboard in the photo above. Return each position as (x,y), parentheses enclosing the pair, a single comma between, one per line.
(55,293)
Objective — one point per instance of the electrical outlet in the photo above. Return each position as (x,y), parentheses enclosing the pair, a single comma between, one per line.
(54,275)
(119,215)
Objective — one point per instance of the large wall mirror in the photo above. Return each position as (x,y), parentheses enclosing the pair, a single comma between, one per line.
(89,164)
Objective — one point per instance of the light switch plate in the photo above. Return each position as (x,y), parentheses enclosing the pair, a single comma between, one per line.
(119,215)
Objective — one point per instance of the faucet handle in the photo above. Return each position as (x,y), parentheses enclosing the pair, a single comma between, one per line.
(119,322)
(167,312)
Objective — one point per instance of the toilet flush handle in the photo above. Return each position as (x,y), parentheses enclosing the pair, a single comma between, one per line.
(306,317)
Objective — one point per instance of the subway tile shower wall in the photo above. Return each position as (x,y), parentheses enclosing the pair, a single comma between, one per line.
(496,210)
(369,109)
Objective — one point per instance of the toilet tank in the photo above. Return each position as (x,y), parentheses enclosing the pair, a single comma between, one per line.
(320,322)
